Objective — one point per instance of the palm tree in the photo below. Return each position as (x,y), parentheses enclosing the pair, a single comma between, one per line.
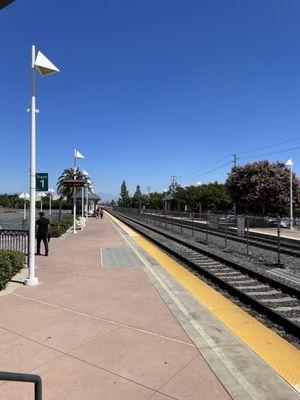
(63,188)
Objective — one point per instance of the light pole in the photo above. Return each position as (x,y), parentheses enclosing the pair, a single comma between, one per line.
(84,210)
(40,197)
(290,164)
(89,182)
(50,191)
(25,197)
(77,155)
(45,68)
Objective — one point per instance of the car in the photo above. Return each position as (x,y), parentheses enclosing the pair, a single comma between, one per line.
(273,222)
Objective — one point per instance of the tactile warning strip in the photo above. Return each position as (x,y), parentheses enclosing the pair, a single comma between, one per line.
(275,351)
(119,257)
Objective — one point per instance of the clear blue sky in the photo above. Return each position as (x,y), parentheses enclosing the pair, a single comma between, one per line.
(150,88)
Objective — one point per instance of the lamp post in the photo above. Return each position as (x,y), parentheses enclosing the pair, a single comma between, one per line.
(50,191)
(25,197)
(45,68)
(77,155)
(89,182)
(84,210)
(290,164)
(40,196)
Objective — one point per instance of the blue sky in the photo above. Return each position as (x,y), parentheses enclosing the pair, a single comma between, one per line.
(150,89)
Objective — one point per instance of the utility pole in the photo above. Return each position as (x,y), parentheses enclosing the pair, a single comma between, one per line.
(234,161)
(173,182)
(148,189)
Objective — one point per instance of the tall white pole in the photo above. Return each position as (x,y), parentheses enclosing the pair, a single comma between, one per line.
(50,204)
(24,209)
(32,280)
(85,205)
(74,195)
(87,200)
(291,198)
(82,201)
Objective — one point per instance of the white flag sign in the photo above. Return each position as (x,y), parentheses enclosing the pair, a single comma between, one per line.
(44,66)
(78,155)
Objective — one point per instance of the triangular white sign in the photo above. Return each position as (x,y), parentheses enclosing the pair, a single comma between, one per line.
(78,155)
(45,66)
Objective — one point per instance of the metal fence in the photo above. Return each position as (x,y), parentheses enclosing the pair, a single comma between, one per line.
(14,240)
(233,233)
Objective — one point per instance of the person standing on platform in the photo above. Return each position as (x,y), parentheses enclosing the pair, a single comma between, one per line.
(101,212)
(42,233)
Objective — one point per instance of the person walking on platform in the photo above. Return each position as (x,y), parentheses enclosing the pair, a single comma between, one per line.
(101,212)
(42,233)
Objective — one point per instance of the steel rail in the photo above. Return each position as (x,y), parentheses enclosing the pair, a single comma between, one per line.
(274,316)
(255,240)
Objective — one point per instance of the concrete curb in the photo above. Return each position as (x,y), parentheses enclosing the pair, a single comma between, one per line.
(15,282)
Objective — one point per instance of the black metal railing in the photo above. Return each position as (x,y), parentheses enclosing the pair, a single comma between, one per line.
(14,240)
(17,377)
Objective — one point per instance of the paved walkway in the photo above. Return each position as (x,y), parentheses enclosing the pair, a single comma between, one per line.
(95,332)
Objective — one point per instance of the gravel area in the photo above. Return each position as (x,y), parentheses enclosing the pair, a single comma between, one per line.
(258,259)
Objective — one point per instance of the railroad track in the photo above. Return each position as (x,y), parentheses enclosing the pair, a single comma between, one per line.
(276,300)
(288,247)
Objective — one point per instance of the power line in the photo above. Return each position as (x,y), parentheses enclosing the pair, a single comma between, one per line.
(211,170)
(269,146)
(208,166)
(271,153)
(207,170)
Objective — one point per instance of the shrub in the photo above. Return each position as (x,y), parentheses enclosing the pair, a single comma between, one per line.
(55,232)
(16,259)
(65,224)
(11,262)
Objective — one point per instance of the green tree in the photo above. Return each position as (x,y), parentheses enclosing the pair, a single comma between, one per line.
(155,200)
(212,196)
(124,199)
(11,201)
(262,187)
(137,197)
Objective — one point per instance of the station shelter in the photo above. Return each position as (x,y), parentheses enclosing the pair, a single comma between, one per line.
(173,204)
(93,200)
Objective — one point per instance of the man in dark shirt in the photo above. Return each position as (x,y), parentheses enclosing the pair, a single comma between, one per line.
(42,228)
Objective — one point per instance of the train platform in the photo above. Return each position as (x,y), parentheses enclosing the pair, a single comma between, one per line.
(115,318)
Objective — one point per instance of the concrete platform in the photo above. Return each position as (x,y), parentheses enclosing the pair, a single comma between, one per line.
(107,321)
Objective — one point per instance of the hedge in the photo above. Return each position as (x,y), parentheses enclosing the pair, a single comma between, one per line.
(11,262)
(65,224)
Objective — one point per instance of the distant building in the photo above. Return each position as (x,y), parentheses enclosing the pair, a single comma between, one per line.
(172,204)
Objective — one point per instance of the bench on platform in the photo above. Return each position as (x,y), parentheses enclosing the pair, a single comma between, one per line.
(80,223)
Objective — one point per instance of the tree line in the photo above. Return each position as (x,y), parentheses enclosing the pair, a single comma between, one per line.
(260,188)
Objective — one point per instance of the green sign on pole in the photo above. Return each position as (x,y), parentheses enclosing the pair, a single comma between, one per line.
(41,181)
